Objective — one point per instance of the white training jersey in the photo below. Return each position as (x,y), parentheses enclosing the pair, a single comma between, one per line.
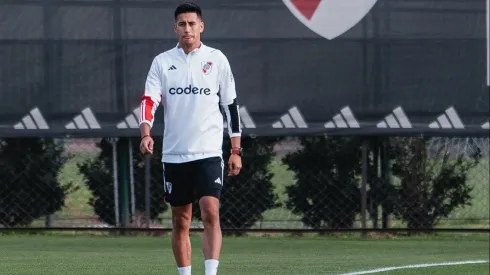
(191,87)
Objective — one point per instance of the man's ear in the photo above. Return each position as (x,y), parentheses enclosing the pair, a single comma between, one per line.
(202,26)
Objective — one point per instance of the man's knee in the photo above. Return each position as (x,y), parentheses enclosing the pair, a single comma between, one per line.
(181,218)
(209,211)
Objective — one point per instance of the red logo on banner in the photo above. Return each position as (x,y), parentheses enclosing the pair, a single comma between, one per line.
(330,18)
(306,7)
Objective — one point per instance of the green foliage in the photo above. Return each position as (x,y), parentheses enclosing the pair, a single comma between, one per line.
(98,175)
(433,185)
(99,179)
(326,192)
(157,203)
(29,186)
(247,196)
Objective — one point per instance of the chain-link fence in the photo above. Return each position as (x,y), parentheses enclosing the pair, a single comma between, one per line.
(285,183)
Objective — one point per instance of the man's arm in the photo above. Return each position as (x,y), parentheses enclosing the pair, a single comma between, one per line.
(235,142)
(149,104)
(151,98)
(232,112)
(145,129)
(229,102)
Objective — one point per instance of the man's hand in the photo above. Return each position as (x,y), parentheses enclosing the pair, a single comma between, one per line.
(146,145)
(234,165)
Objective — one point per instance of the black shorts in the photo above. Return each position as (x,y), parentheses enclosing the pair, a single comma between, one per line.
(186,182)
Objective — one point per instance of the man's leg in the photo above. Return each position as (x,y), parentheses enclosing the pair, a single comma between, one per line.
(209,182)
(181,244)
(212,238)
(178,193)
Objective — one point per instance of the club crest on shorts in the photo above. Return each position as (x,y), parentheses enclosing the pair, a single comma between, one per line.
(169,187)
(206,66)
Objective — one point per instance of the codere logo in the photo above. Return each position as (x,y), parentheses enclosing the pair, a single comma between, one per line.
(330,18)
(189,90)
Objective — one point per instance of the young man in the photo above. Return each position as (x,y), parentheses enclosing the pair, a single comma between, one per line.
(191,81)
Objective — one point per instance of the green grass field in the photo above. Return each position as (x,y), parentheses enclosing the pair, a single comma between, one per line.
(76,255)
(342,254)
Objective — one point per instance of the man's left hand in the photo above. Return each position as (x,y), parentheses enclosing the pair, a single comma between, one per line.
(234,165)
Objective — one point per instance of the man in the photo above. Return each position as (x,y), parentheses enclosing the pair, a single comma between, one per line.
(191,81)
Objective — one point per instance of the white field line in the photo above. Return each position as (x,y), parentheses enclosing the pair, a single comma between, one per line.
(379,270)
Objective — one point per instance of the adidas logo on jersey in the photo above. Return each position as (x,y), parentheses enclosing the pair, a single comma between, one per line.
(397,119)
(172,68)
(448,120)
(218,181)
(345,119)
(33,120)
(86,120)
(292,119)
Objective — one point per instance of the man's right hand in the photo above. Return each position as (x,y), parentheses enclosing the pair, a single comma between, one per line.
(146,145)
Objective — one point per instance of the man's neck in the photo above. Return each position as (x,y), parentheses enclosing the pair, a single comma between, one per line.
(188,49)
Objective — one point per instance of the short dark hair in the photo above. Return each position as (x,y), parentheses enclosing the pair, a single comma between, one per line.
(188,7)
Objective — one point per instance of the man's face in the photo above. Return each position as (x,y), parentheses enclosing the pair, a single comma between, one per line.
(189,28)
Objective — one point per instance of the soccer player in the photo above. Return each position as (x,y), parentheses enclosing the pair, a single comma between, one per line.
(192,81)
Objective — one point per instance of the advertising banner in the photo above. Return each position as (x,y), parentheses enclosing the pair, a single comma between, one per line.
(360,67)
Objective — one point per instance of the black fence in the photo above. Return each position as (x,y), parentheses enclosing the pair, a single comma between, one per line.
(375,119)
(287,184)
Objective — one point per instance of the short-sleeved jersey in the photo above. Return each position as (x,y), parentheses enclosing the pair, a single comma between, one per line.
(191,87)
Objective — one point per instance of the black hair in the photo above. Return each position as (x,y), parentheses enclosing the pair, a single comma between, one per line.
(188,7)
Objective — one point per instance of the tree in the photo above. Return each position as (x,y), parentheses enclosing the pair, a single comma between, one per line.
(29,186)
(247,196)
(326,193)
(432,184)
(98,175)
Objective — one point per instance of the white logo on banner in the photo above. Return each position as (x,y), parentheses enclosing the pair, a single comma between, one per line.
(293,119)
(448,120)
(86,120)
(486,125)
(33,120)
(330,18)
(397,119)
(131,120)
(345,119)
(246,120)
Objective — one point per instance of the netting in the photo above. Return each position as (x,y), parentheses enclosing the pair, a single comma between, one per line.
(290,183)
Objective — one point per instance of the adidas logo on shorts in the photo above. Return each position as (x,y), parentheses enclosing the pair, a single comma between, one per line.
(218,181)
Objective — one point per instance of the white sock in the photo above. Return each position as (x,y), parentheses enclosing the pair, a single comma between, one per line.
(211,267)
(186,270)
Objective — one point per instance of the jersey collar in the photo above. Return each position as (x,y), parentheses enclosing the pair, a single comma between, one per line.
(195,51)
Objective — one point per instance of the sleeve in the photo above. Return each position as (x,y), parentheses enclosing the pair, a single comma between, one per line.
(228,98)
(152,95)
(233,119)
(226,82)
